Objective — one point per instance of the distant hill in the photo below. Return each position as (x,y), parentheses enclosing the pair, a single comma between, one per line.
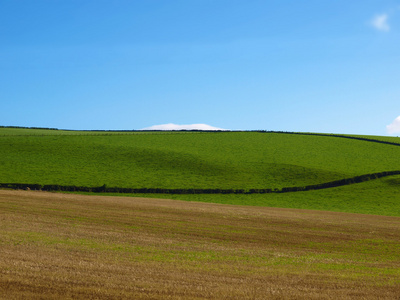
(190,160)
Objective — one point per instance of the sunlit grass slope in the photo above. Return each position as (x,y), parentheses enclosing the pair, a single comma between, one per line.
(376,197)
(186,159)
(391,139)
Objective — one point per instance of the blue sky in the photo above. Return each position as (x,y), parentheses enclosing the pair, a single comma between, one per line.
(315,66)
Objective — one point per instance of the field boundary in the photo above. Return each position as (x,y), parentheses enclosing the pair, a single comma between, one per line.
(336,135)
(105,189)
(139,131)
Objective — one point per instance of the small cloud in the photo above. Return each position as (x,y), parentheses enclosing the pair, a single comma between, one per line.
(172,126)
(394,127)
(379,22)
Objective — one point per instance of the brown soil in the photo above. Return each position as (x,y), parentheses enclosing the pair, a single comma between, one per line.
(94,247)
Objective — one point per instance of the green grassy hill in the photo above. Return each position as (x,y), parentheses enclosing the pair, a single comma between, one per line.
(219,160)
(375,197)
(187,159)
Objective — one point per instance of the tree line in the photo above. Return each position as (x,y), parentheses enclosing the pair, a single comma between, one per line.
(105,189)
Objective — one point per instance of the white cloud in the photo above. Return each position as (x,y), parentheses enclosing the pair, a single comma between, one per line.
(394,127)
(380,22)
(172,126)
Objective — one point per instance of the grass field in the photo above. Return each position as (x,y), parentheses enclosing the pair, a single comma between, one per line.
(225,160)
(376,197)
(262,247)
(91,247)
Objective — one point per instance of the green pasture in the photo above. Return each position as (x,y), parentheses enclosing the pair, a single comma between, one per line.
(375,197)
(238,160)
(391,139)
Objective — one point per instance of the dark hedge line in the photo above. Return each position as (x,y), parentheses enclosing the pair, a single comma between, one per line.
(105,189)
(111,130)
(198,130)
(22,127)
(334,135)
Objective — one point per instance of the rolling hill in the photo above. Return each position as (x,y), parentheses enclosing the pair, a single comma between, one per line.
(208,160)
(58,245)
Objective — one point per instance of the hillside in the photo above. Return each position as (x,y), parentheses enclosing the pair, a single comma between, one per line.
(375,197)
(140,248)
(91,247)
(225,160)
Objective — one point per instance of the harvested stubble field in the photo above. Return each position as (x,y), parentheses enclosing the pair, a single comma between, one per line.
(93,247)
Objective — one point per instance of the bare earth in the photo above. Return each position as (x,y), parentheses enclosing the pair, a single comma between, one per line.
(68,246)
